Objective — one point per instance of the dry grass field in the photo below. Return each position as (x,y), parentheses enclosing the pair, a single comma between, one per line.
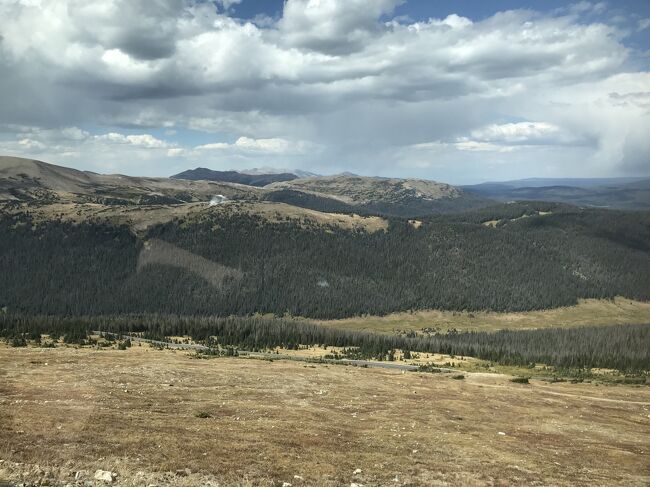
(619,311)
(70,411)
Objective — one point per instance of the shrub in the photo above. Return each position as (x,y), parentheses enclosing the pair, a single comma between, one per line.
(520,380)
(18,342)
(202,414)
(429,368)
(458,377)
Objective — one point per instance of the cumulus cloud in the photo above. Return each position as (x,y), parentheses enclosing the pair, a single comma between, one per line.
(516,132)
(262,146)
(334,84)
(334,27)
(142,140)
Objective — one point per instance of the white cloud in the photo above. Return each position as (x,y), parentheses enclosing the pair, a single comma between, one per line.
(477,146)
(31,145)
(363,89)
(175,152)
(332,26)
(144,140)
(516,132)
(263,146)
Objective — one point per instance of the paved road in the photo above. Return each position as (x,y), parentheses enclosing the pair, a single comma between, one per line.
(276,356)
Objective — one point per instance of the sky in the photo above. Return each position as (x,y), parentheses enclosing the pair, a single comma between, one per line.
(455,91)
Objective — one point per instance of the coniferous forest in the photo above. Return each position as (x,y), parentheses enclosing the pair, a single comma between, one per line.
(210,274)
(221,264)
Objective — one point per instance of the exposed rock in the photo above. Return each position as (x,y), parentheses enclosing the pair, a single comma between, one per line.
(80,474)
(105,476)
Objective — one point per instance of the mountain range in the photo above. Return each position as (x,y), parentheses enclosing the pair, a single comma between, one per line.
(30,180)
(77,243)
(623,193)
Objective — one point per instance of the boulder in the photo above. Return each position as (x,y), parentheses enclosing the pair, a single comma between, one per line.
(105,476)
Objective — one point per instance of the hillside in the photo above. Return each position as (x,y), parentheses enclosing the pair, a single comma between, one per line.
(25,180)
(309,247)
(251,179)
(36,181)
(397,197)
(320,266)
(139,218)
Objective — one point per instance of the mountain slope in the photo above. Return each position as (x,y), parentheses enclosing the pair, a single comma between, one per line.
(221,262)
(251,179)
(396,197)
(31,180)
(39,182)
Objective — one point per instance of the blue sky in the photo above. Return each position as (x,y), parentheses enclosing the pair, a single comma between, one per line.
(424,9)
(457,91)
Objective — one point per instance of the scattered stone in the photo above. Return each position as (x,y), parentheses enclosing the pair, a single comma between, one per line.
(357,471)
(286,484)
(501,433)
(105,476)
(352,484)
(298,477)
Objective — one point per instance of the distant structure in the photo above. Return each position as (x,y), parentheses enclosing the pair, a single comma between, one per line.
(217,199)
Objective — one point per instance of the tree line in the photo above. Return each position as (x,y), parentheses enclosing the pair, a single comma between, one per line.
(622,347)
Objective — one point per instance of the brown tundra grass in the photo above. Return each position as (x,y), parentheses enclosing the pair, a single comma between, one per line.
(144,412)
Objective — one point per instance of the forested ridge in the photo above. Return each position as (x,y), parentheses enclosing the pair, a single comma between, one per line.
(527,261)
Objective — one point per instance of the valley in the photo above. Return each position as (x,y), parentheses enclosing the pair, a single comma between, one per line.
(324,243)
(588,312)
(320,330)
